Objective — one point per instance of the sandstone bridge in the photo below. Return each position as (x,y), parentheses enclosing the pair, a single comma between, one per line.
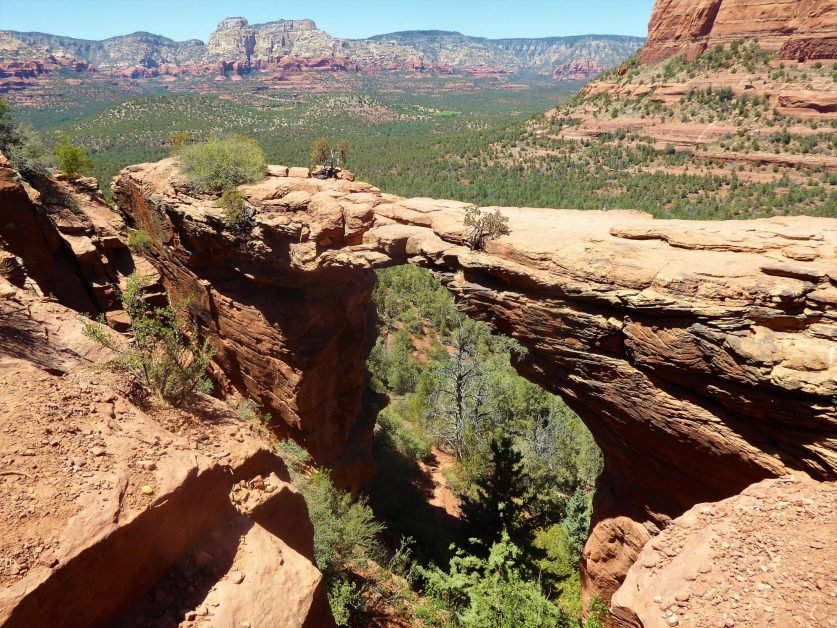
(701,355)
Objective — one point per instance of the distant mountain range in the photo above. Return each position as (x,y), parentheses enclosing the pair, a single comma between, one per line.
(287,45)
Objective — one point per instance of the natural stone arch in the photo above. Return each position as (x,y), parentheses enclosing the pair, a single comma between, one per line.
(701,355)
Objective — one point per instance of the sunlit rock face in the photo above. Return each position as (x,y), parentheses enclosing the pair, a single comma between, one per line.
(702,355)
(795,29)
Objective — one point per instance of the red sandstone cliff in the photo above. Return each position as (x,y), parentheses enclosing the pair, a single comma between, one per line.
(796,29)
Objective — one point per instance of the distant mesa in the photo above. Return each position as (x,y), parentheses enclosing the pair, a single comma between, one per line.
(296,50)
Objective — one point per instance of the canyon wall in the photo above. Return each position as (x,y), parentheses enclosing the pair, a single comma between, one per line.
(291,328)
(701,355)
(795,29)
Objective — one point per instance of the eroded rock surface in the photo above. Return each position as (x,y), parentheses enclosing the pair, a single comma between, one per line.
(291,327)
(702,355)
(766,557)
(102,497)
(66,243)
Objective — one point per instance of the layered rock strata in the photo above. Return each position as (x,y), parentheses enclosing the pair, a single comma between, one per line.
(291,328)
(795,29)
(702,355)
(66,243)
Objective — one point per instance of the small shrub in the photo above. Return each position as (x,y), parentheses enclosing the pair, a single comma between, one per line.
(320,152)
(178,140)
(484,226)
(29,157)
(493,591)
(72,160)
(165,355)
(219,164)
(139,240)
(233,203)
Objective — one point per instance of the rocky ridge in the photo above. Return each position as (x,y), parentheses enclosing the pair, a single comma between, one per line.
(673,340)
(723,81)
(764,557)
(239,47)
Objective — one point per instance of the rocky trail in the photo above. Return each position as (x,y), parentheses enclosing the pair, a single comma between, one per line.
(434,468)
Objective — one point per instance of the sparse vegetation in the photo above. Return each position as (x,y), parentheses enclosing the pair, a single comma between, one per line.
(327,157)
(219,164)
(178,140)
(233,205)
(139,240)
(165,353)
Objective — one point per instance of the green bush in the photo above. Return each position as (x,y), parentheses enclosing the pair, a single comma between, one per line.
(139,240)
(408,441)
(345,531)
(496,591)
(178,140)
(232,203)
(29,157)
(219,164)
(72,160)
(165,355)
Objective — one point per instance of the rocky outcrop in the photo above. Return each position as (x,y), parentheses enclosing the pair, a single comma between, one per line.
(700,354)
(577,70)
(105,501)
(291,328)
(764,557)
(796,29)
(64,243)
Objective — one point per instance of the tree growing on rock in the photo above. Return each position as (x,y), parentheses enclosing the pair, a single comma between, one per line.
(327,160)
(72,160)
(484,226)
(320,152)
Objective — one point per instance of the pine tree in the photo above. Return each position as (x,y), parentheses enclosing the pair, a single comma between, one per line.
(576,520)
(500,497)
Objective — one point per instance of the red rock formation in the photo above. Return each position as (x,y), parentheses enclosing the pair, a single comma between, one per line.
(69,245)
(796,29)
(292,335)
(701,355)
(577,71)
(103,499)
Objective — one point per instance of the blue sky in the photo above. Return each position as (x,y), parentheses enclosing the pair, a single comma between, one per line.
(187,19)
